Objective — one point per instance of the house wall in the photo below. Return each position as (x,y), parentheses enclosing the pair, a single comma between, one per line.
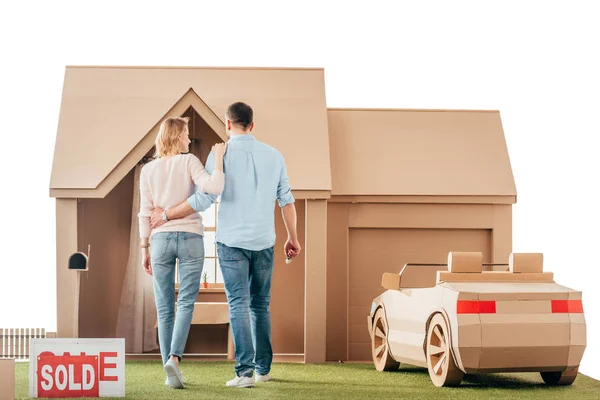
(204,135)
(66,280)
(365,240)
(287,302)
(105,225)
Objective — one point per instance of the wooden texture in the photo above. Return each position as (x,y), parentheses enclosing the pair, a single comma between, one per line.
(104,224)
(141,149)
(315,321)
(502,233)
(437,216)
(475,227)
(337,281)
(210,313)
(393,199)
(376,251)
(7,378)
(203,136)
(287,302)
(14,342)
(287,290)
(526,262)
(106,112)
(496,276)
(66,244)
(426,152)
(460,261)
(214,314)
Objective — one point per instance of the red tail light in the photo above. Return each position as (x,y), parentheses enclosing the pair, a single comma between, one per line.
(475,307)
(567,306)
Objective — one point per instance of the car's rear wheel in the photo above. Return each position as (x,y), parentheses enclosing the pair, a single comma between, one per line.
(559,378)
(379,344)
(440,361)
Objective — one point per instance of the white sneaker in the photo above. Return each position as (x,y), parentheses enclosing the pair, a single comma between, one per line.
(241,382)
(262,378)
(182,378)
(173,375)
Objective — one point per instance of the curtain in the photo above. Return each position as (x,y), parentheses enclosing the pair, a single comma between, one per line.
(137,312)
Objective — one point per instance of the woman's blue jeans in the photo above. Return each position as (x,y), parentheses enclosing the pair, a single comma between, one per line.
(166,248)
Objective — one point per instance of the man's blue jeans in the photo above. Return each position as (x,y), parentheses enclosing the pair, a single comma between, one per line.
(166,248)
(247,276)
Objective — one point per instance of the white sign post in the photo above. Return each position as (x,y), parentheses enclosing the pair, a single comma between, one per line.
(77,368)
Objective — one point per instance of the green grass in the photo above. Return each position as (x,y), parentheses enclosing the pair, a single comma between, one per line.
(206,380)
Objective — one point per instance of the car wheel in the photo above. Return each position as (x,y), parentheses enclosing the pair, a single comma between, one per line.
(440,361)
(379,344)
(559,378)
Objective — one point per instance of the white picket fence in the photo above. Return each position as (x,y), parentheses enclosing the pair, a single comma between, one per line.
(14,343)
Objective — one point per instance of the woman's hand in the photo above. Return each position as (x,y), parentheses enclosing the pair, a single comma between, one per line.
(219,150)
(146,261)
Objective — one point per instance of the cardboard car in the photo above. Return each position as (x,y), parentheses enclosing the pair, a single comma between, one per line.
(467,318)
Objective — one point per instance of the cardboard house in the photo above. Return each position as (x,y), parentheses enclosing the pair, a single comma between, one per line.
(374,189)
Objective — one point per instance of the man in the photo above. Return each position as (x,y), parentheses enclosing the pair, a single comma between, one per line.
(255,177)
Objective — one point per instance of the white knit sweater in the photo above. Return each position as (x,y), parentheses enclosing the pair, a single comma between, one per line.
(167,182)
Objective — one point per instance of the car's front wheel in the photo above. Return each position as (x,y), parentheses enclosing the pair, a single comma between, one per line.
(379,344)
(440,361)
(559,378)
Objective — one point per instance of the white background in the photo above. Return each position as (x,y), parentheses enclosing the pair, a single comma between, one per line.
(537,62)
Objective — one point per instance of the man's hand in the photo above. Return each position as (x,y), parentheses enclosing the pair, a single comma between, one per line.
(146,261)
(156,218)
(292,248)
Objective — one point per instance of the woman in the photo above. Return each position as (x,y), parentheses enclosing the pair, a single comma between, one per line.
(166,182)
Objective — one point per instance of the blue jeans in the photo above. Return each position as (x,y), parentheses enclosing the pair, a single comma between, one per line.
(166,248)
(247,277)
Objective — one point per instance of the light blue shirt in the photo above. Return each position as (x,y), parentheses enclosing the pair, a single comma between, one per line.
(255,177)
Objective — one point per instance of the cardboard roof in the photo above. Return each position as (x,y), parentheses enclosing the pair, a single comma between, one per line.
(418,152)
(107,111)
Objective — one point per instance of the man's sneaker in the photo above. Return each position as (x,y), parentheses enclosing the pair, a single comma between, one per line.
(241,382)
(173,375)
(167,381)
(262,378)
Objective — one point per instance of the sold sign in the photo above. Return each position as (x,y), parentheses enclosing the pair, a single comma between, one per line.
(77,368)
(68,376)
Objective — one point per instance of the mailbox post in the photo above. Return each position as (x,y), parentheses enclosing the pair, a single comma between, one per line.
(79,263)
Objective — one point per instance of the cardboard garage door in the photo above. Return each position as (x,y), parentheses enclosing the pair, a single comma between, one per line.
(375,251)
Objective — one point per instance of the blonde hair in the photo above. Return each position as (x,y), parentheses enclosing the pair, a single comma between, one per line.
(169,135)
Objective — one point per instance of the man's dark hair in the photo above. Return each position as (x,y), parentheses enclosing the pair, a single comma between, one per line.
(240,114)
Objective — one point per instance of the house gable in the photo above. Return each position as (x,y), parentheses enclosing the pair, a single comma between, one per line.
(108,115)
(189,99)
